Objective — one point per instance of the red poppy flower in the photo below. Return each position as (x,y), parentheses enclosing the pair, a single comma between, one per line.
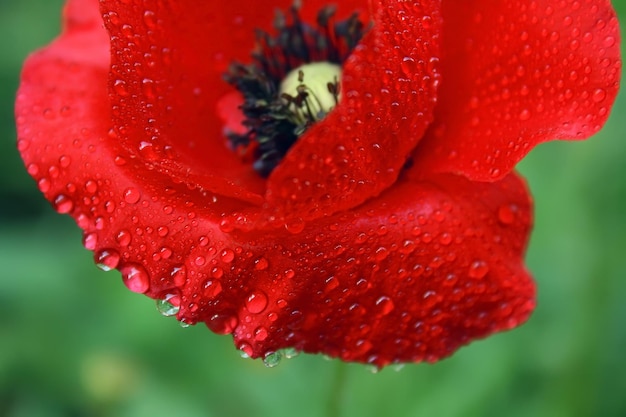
(393,230)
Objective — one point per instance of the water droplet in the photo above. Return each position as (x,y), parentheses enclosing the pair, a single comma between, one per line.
(272,359)
(63,204)
(212,288)
(90,240)
(261,264)
(385,305)
(246,350)
(408,66)
(295,226)
(179,275)
(169,305)
(135,278)
(147,86)
(123,237)
(256,302)
(227,255)
(222,323)
(132,195)
(107,259)
(119,86)
(524,115)
(260,334)
(91,187)
(478,269)
(290,353)
(506,214)
(598,95)
(445,239)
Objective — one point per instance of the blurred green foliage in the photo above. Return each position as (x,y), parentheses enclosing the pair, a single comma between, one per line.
(75,342)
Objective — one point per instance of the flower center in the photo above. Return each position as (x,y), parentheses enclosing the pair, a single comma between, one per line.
(292,83)
(311,101)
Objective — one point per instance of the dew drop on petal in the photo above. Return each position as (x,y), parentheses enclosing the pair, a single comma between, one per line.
(123,237)
(222,323)
(227,255)
(598,95)
(168,306)
(256,302)
(107,259)
(524,115)
(261,264)
(506,214)
(385,305)
(91,187)
(132,195)
(90,240)
(260,334)
(272,359)
(478,269)
(179,275)
(245,350)
(63,204)
(212,288)
(295,226)
(290,353)
(135,278)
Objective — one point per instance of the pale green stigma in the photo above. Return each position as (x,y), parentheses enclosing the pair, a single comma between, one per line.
(312,91)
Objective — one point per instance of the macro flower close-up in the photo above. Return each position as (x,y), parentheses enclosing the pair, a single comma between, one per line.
(305,177)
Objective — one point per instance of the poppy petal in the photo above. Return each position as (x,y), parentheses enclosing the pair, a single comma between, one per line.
(166,83)
(389,91)
(134,218)
(518,73)
(410,276)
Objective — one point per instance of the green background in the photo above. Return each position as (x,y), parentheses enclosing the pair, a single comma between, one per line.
(75,342)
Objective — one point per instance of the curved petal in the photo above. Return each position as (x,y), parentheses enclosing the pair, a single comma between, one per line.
(134,218)
(167,69)
(410,276)
(389,92)
(518,73)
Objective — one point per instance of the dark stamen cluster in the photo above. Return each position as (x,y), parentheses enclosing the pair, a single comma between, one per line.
(269,116)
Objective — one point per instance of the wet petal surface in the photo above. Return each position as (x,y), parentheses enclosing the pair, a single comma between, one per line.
(532,71)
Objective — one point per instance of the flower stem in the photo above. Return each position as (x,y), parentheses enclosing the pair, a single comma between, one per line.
(338,388)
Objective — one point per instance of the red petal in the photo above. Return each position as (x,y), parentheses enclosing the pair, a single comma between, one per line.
(166,81)
(136,219)
(389,90)
(425,268)
(518,73)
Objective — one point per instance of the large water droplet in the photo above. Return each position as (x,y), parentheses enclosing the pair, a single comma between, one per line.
(256,302)
(478,269)
(385,305)
(290,352)
(179,275)
(135,278)
(506,214)
(260,334)
(222,323)
(227,255)
(107,259)
(63,204)
(90,240)
(168,306)
(272,359)
(132,195)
